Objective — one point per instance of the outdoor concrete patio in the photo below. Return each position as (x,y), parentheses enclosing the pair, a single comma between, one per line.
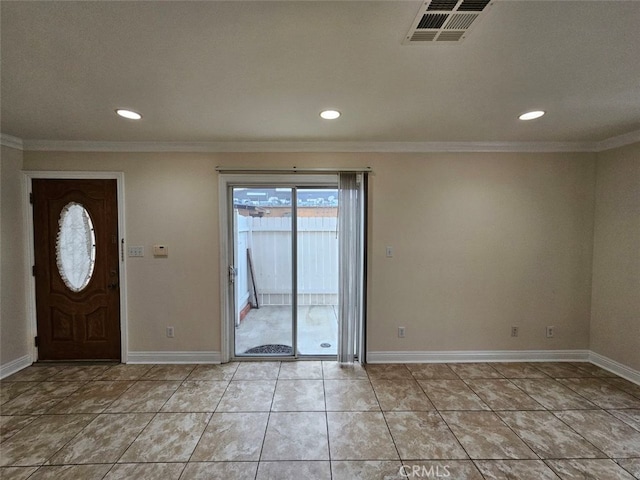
(317,324)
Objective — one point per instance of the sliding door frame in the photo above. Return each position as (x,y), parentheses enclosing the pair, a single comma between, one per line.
(226,182)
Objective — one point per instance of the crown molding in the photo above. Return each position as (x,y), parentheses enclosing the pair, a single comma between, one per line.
(320,147)
(11,141)
(619,141)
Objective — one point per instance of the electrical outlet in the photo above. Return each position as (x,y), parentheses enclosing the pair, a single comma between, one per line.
(400,332)
(550,331)
(170,332)
(514,331)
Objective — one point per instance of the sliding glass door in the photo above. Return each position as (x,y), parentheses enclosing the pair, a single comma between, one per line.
(263,250)
(285,270)
(291,276)
(317,271)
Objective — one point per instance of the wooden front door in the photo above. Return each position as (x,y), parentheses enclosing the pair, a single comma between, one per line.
(75,224)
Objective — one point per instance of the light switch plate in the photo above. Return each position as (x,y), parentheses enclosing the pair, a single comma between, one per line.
(137,251)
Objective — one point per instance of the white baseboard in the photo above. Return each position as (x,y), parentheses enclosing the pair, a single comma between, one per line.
(479,356)
(615,367)
(15,366)
(174,357)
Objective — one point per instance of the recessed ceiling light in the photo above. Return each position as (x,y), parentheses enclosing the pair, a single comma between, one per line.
(531,115)
(330,114)
(130,114)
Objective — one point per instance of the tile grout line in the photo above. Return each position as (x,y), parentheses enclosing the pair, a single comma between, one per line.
(155,415)
(53,406)
(208,421)
(384,417)
(552,412)
(555,416)
(266,428)
(497,415)
(326,419)
(608,380)
(589,399)
(474,461)
(438,413)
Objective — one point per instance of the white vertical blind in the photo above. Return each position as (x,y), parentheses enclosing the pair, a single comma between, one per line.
(350,271)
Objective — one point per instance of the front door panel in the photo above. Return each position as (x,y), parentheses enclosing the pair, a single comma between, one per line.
(77,269)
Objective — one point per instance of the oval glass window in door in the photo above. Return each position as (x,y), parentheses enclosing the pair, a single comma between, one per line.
(75,247)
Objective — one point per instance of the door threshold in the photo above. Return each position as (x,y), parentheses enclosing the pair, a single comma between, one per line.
(306,358)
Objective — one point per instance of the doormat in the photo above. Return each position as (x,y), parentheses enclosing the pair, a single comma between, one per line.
(271,349)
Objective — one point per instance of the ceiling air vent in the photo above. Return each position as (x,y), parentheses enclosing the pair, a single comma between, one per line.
(446,20)
(450,36)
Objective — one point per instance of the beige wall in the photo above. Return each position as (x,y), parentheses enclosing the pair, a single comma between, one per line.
(13,317)
(482,242)
(615,313)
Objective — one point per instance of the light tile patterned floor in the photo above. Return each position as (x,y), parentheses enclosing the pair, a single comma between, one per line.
(316,420)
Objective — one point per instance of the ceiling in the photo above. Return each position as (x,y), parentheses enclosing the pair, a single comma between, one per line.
(262,71)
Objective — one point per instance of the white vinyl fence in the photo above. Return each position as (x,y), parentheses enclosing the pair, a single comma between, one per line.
(269,239)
